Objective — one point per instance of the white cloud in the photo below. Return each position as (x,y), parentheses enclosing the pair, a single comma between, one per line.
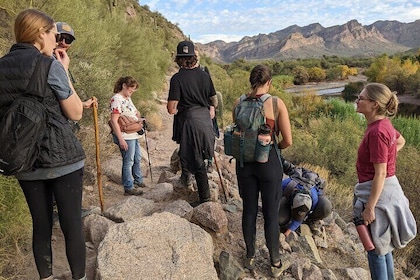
(213,37)
(229,20)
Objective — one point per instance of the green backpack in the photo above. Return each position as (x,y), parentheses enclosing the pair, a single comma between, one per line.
(240,138)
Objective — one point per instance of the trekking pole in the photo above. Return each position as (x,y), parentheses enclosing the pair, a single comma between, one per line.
(225,192)
(147,149)
(98,163)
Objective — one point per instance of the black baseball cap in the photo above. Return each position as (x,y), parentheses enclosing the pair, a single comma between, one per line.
(185,48)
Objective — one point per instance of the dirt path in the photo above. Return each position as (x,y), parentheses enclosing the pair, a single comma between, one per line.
(160,146)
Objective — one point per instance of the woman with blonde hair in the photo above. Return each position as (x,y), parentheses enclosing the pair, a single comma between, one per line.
(58,170)
(379,199)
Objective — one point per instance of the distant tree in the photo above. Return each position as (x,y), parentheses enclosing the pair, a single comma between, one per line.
(377,70)
(351,90)
(301,75)
(316,74)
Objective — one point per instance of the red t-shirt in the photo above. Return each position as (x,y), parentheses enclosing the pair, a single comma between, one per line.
(379,145)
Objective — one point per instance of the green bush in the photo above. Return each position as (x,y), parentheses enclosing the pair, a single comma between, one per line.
(409,127)
(15,220)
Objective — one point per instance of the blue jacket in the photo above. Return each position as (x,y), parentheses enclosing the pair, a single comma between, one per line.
(288,187)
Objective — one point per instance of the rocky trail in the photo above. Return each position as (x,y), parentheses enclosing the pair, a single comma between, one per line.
(335,254)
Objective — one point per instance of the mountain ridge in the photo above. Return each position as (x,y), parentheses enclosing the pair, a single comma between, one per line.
(351,39)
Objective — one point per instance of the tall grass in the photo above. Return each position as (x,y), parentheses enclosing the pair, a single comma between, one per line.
(409,127)
(15,220)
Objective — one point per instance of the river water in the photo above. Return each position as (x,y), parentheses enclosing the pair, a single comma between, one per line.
(333,89)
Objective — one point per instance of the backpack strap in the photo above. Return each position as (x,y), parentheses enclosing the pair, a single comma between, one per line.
(276,126)
(264,97)
(276,114)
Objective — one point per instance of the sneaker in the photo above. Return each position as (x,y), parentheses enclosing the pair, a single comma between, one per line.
(276,271)
(133,191)
(139,185)
(249,263)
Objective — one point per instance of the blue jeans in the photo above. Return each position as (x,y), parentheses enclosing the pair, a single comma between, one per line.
(131,163)
(381,266)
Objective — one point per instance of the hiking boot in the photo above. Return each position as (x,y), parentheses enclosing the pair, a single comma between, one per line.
(139,185)
(210,167)
(186,180)
(277,270)
(249,263)
(195,204)
(201,201)
(133,191)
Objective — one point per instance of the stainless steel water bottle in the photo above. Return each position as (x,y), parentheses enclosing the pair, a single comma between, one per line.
(262,150)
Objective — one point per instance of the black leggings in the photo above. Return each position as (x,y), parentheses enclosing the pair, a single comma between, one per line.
(67,191)
(266,178)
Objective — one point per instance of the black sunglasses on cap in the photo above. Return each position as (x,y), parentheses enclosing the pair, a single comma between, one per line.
(67,39)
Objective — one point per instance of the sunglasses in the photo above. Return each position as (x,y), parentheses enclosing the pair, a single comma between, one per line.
(359,98)
(68,40)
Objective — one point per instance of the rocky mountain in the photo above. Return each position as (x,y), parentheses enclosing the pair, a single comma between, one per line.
(314,40)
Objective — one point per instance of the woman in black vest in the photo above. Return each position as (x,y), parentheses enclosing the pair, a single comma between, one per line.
(58,170)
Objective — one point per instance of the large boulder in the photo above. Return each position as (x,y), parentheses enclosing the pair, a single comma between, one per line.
(161,246)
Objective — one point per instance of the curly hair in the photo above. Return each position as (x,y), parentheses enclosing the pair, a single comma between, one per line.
(128,81)
(186,61)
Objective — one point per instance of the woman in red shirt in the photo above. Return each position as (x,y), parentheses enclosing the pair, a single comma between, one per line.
(379,199)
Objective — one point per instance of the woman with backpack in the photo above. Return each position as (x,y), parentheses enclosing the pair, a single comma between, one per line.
(58,169)
(265,178)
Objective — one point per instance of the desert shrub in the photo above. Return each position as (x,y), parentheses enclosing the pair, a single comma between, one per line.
(338,109)
(341,196)
(409,128)
(15,221)
(301,75)
(351,90)
(282,81)
(409,178)
(307,107)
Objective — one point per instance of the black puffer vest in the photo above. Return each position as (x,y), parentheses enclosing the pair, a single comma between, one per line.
(60,147)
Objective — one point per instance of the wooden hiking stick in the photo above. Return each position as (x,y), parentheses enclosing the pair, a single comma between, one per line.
(98,163)
(225,191)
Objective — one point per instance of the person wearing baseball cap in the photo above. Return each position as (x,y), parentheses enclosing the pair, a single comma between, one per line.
(302,202)
(191,100)
(64,42)
(66,35)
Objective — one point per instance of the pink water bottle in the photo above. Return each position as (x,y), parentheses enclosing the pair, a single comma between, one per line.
(364,234)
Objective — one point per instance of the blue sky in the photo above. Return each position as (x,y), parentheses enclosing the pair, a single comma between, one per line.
(231,20)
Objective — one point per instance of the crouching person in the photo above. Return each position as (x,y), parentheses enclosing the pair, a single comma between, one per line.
(303,201)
